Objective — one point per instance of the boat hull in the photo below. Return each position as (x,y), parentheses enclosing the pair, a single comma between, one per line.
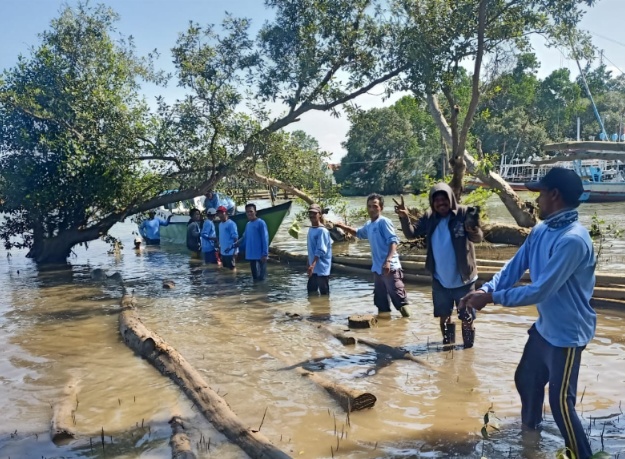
(176,231)
(603,192)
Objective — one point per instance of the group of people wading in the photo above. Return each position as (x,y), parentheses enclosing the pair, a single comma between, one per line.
(558,253)
(560,257)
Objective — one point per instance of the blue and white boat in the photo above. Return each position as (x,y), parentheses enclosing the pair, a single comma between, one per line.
(601,166)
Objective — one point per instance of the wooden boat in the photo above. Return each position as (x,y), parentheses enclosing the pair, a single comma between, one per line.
(609,289)
(176,231)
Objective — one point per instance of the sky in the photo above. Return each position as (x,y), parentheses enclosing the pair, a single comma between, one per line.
(157,23)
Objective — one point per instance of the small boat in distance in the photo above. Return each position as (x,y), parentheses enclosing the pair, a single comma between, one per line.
(176,231)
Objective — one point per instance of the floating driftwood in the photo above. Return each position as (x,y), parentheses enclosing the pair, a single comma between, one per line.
(171,363)
(62,430)
(362,321)
(349,399)
(180,444)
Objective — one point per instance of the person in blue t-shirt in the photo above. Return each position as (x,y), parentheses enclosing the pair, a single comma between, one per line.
(209,238)
(449,237)
(388,276)
(150,228)
(319,246)
(228,236)
(560,257)
(255,239)
(214,200)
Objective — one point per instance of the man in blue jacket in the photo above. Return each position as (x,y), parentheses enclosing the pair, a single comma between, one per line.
(255,240)
(560,257)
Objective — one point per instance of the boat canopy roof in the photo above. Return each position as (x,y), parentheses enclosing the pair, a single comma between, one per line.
(571,151)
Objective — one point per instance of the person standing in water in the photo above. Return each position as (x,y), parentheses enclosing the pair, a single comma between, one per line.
(388,276)
(228,236)
(449,237)
(209,238)
(319,246)
(560,257)
(194,241)
(255,240)
(150,228)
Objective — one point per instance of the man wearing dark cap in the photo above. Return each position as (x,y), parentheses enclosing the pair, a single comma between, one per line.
(319,246)
(561,260)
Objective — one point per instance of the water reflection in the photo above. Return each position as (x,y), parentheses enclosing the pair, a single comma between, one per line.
(58,325)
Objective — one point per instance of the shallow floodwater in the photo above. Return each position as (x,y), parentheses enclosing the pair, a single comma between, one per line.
(60,326)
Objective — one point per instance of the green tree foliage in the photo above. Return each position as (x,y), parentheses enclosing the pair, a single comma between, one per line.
(71,130)
(296,159)
(438,35)
(388,149)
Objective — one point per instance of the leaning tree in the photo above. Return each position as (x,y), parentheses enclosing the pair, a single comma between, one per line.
(437,37)
(80,149)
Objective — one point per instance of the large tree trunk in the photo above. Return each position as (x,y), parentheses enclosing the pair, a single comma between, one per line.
(522,215)
(171,363)
(51,250)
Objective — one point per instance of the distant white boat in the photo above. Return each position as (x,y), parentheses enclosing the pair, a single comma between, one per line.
(601,166)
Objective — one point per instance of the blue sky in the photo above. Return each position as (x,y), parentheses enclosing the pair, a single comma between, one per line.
(157,23)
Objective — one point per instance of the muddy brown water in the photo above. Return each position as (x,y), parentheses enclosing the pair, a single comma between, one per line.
(58,326)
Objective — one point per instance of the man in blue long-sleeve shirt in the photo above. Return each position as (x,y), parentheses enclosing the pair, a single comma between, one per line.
(319,245)
(150,228)
(209,238)
(228,235)
(255,239)
(213,200)
(561,259)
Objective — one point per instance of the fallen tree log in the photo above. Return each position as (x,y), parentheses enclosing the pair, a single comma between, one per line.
(396,353)
(62,429)
(505,234)
(180,444)
(414,269)
(171,363)
(349,399)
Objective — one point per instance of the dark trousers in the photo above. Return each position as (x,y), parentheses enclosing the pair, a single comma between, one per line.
(259,269)
(389,285)
(228,261)
(543,363)
(445,298)
(211,257)
(319,284)
(149,241)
